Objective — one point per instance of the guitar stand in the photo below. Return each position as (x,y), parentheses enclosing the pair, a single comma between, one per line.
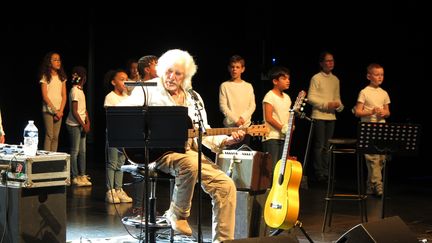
(298,224)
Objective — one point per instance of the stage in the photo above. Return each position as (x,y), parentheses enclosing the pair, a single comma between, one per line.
(90,219)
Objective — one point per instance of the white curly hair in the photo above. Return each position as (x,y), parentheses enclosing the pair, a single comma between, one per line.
(179,57)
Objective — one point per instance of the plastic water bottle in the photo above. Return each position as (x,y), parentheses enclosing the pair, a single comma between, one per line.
(31,139)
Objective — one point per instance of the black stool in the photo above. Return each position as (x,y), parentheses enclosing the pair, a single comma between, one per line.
(155,222)
(343,146)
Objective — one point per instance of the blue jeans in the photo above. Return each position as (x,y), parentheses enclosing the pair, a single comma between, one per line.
(323,131)
(113,168)
(77,150)
(274,147)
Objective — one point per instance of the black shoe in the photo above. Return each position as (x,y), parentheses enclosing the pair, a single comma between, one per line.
(322,178)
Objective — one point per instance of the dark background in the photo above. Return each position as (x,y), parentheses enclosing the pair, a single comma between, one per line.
(105,37)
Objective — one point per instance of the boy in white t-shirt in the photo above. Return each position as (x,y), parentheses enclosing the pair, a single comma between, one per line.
(276,106)
(373,106)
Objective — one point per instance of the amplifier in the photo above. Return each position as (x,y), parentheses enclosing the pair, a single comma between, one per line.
(250,170)
(250,214)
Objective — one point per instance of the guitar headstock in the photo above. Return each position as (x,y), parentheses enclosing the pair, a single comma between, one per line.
(258,130)
(300,101)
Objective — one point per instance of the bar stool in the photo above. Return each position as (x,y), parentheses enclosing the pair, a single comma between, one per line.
(340,146)
(155,222)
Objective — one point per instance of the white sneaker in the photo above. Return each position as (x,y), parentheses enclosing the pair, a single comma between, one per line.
(77,181)
(85,180)
(111,196)
(123,196)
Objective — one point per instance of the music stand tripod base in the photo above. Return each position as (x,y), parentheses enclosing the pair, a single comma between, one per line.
(161,222)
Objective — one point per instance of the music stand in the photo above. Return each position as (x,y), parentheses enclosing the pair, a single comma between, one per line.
(153,127)
(139,83)
(388,139)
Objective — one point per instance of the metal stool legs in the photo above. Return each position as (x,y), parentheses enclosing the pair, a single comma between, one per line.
(331,196)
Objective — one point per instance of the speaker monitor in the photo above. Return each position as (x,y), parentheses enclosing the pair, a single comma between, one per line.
(269,239)
(249,215)
(387,230)
(34,215)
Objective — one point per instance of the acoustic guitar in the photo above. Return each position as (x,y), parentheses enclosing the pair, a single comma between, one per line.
(282,204)
(136,155)
(254,130)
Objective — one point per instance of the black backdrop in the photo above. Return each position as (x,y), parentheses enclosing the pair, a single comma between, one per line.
(103,38)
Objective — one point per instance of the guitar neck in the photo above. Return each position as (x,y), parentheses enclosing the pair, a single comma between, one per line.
(214,131)
(288,134)
(287,143)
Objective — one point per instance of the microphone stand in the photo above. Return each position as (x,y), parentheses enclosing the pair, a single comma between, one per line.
(201,131)
(302,115)
(146,134)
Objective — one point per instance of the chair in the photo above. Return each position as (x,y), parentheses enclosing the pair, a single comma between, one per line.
(155,222)
(343,146)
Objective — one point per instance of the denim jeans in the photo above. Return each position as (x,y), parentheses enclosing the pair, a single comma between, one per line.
(323,131)
(115,159)
(274,147)
(77,150)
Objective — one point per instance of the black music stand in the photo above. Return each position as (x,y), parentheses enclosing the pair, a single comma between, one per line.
(388,139)
(153,127)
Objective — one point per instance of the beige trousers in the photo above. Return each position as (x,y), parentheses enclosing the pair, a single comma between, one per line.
(374,163)
(220,187)
(52,131)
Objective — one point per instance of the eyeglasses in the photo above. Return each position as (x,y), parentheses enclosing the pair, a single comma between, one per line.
(55,60)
